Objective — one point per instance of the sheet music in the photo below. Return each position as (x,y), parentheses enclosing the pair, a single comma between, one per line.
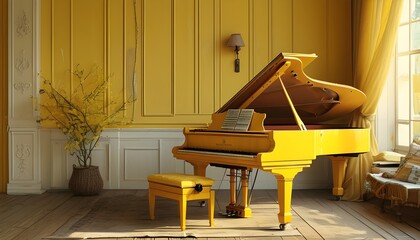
(238,119)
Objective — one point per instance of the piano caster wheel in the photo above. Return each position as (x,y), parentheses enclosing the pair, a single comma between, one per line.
(337,198)
(282,226)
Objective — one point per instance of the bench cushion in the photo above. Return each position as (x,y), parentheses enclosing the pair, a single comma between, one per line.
(180,180)
(398,192)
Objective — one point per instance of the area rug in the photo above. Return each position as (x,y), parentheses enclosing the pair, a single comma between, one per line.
(128,216)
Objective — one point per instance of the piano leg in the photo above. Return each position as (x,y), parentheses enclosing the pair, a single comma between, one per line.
(284,193)
(247,212)
(339,164)
(199,168)
(232,178)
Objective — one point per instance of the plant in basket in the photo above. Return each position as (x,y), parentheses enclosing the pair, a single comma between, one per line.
(82,114)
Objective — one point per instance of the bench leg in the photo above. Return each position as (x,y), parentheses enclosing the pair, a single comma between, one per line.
(151,204)
(182,212)
(211,208)
(383,202)
(398,212)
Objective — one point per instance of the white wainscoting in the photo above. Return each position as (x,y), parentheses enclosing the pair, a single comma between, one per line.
(24,164)
(127,156)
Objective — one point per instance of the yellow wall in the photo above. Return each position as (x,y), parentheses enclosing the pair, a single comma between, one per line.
(183,70)
(3,97)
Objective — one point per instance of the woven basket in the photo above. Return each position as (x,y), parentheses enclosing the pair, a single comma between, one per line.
(86,181)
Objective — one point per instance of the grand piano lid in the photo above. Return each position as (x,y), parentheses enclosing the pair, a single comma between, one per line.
(315,101)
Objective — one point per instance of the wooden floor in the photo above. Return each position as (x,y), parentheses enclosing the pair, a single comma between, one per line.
(315,215)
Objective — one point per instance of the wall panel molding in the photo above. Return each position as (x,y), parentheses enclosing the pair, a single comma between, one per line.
(23,137)
(158,58)
(24,162)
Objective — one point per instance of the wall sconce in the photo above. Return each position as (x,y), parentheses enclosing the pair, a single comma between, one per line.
(236,41)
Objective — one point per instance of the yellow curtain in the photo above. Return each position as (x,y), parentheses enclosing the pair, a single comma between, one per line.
(375,30)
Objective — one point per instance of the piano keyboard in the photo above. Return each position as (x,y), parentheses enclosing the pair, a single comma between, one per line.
(219,153)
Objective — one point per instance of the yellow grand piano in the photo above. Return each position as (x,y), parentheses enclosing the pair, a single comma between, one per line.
(276,123)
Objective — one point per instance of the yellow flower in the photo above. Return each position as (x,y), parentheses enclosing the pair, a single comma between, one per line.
(81,114)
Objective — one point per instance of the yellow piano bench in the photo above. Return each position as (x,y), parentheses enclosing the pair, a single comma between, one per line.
(183,188)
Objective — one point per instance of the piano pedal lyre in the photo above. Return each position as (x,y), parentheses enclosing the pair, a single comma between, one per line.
(238,211)
(234,209)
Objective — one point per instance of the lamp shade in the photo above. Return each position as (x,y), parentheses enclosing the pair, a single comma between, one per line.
(235,40)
